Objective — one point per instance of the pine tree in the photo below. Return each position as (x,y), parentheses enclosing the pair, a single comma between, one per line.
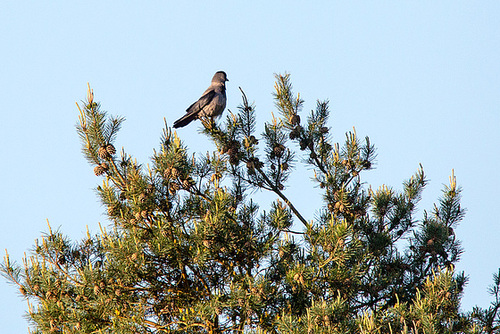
(189,250)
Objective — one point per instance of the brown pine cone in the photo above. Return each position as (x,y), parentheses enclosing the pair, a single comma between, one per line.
(233,160)
(175,172)
(103,153)
(295,119)
(167,173)
(99,170)
(278,150)
(110,149)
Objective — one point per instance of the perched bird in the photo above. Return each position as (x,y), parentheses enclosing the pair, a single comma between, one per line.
(211,103)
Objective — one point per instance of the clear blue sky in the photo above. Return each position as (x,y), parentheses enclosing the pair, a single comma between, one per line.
(421,78)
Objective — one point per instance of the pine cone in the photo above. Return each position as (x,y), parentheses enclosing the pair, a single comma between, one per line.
(175,172)
(236,144)
(173,188)
(142,198)
(103,153)
(110,149)
(304,143)
(167,173)
(295,119)
(186,184)
(295,133)
(278,150)
(100,169)
(225,148)
(91,106)
(366,164)
(250,167)
(233,160)
(165,205)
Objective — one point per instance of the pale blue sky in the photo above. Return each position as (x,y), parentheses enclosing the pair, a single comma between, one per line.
(421,78)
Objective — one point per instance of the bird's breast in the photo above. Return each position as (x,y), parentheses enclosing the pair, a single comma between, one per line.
(215,107)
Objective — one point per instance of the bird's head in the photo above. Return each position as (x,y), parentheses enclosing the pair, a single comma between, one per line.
(220,77)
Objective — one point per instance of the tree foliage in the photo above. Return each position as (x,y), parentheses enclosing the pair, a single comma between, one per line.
(190,251)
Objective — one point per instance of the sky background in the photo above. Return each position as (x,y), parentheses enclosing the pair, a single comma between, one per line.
(421,79)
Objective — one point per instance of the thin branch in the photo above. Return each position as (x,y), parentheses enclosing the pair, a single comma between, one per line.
(283,197)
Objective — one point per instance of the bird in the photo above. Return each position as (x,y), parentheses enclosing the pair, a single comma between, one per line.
(211,103)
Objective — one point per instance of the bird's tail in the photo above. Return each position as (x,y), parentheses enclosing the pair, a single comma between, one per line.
(184,120)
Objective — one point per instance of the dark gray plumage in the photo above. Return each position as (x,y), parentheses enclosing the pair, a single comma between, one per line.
(211,103)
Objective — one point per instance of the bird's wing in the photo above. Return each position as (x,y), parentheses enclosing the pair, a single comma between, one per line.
(205,99)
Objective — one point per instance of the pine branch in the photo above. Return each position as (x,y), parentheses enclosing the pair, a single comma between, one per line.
(283,197)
